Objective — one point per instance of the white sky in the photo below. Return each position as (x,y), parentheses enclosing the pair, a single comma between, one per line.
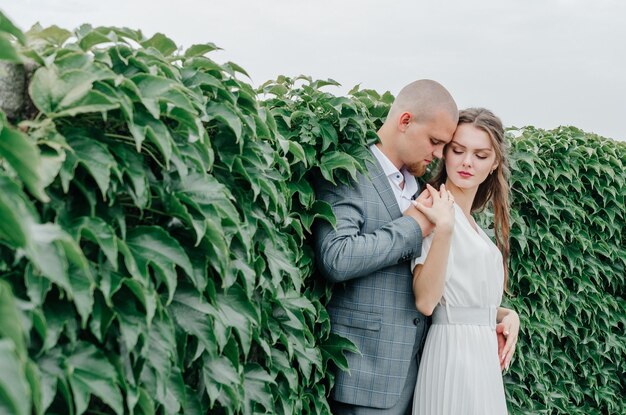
(533,62)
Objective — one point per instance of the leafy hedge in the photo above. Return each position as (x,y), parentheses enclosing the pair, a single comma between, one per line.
(568,272)
(153,238)
(152,226)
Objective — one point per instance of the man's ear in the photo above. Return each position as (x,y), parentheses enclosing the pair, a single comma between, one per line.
(404,120)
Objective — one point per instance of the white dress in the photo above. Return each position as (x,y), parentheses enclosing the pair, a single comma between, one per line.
(460,371)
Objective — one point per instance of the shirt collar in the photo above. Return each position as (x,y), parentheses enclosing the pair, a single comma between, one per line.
(393,174)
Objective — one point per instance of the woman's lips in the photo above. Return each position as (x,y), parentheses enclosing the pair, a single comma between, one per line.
(465,174)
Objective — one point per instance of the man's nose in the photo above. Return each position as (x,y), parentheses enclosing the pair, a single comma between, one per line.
(438,151)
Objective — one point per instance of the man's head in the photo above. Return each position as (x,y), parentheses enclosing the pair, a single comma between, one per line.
(420,122)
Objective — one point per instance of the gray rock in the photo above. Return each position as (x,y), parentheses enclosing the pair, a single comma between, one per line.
(14,98)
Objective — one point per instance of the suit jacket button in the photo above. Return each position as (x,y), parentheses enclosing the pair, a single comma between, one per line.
(416,321)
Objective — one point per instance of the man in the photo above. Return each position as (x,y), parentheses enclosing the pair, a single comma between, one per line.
(368,254)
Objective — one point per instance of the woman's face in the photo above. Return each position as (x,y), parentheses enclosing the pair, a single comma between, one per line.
(469,157)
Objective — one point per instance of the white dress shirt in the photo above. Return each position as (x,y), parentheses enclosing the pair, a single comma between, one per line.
(396,177)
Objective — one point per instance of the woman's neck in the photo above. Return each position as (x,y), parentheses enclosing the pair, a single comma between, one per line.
(464,198)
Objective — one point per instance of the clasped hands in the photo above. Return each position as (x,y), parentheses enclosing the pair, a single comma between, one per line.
(433,209)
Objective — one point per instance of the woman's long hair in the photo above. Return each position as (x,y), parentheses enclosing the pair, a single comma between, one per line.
(495,188)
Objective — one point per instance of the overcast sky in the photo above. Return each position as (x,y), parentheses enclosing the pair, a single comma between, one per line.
(533,62)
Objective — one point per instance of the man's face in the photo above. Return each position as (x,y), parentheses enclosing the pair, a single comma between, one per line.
(423,141)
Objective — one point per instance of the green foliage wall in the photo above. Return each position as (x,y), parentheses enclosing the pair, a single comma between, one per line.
(152,224)
(568,272)
(153,238)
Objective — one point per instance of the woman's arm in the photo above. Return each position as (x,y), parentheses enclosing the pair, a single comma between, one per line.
(429,278)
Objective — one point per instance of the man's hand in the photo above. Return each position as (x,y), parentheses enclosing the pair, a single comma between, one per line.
(425,199)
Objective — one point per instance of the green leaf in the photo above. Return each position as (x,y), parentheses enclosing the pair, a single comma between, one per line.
(69,93)
(16,215)
(8,51)
(53,35)
(7,26)
(200,49)
(162,43)
(329,135)
(256,385)
(15,397)
(151,88)
(52,251)
(320,209)
(152,246)
(335,348)
(82,290)
(238,312)
(131,164)
(91,154)
(24,157)
(97,230)
(336,160)
(89,36)
(90,373)
(197,317)
(145,126)
(10,324)
(223,112)
(218,371)
(281,265)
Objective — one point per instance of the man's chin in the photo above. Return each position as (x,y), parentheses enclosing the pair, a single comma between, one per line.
(417,170)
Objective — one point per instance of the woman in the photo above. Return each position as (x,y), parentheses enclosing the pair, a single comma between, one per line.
(461,275)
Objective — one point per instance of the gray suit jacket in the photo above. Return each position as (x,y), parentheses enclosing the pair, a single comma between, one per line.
(368,255)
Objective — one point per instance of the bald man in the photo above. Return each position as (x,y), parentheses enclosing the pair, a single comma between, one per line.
(367,254)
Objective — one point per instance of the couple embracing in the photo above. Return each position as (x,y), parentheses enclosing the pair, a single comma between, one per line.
(418,282)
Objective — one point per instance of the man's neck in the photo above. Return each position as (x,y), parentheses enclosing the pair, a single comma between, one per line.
(387,151)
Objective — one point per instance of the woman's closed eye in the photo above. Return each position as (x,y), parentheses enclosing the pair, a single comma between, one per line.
(478,155)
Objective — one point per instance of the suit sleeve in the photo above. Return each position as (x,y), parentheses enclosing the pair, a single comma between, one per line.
(346,252)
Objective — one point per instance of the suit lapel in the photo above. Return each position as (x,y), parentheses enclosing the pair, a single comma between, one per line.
(382,186)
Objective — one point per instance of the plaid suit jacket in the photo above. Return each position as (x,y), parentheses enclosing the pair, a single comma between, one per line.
(367,254)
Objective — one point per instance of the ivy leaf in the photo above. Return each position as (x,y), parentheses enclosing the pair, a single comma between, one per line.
(162,43)
(200,49)
(223,112)
(90,373)
(197,317)
(69,93)
(219,372)
(24,157)
(152,246)
(334,349)
(144,126)
(91,154)
(7,26)
(239,313)
(256,385)
(14,387)
(97,230)
(16,215)
(336,160)
(8,51)
(329,135)
(151,88)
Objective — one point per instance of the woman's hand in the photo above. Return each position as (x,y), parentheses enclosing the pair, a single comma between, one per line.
(441,212)
(507,331)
